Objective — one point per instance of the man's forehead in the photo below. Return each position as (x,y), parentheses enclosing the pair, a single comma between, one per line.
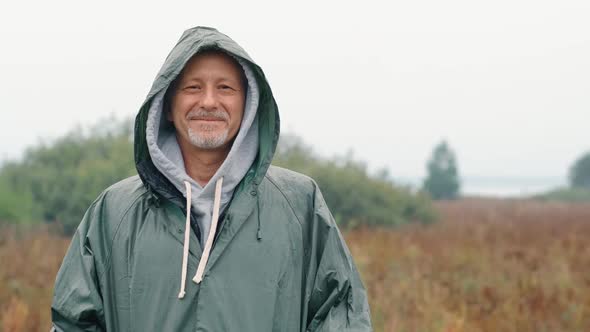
(202,57)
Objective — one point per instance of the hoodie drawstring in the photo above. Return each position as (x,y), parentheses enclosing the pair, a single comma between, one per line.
(187,233)
(207,250)
(205,257)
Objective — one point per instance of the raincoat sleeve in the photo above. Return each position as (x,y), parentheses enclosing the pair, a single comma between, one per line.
(337,297)
(77,301)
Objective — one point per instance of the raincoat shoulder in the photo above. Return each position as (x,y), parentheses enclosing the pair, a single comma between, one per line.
(335,298)
(78,300)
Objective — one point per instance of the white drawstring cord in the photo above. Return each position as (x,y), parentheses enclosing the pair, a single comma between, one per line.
(187,233)
(216,205)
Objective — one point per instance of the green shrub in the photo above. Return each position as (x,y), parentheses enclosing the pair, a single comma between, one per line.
(354,196)
(56,182)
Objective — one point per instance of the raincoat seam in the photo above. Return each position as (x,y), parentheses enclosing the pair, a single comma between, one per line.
(286,199)
(107,263)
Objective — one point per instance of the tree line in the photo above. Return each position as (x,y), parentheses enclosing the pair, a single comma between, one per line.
(55,182)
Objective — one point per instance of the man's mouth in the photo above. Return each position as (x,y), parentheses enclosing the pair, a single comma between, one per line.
(206,119)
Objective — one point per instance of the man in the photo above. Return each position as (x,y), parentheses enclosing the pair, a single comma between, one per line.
(209,236)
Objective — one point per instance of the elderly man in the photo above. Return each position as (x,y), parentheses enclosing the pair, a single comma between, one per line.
(209,236)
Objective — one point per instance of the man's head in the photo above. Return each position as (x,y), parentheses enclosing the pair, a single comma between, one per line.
(206,102)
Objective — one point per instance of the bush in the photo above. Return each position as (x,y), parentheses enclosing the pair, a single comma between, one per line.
(64,177)
(354,196)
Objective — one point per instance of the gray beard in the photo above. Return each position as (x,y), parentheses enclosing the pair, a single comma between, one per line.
(207,140)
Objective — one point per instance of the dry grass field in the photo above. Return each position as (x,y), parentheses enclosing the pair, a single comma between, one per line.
(488,265)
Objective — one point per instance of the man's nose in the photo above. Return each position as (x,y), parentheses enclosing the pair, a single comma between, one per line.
(209,100)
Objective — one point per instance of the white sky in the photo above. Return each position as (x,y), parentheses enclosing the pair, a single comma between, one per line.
(506,82)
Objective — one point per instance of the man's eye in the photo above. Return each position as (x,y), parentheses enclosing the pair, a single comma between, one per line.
(225,87)
(192,87)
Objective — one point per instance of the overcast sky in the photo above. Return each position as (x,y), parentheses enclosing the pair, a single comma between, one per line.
(507,83)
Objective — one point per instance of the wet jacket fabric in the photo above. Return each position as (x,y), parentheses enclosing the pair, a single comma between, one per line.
(278,261)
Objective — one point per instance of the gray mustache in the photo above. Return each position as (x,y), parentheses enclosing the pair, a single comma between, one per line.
(203,114)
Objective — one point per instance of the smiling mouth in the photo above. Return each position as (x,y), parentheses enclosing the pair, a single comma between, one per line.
(207,119)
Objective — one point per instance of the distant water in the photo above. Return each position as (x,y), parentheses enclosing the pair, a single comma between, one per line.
(500,186)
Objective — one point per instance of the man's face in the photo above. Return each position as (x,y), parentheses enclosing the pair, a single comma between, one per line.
(208,103)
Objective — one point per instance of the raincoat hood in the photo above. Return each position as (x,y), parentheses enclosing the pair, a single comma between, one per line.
(259,102)
(166,155)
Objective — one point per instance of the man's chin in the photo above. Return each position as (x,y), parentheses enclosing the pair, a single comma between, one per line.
(210,140)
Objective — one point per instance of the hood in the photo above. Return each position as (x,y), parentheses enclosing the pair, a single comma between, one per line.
(265,125)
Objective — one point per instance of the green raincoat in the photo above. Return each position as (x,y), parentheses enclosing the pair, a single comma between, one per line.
(278,262)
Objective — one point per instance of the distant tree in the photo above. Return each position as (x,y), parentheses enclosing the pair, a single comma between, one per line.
(579,174)
(442,181)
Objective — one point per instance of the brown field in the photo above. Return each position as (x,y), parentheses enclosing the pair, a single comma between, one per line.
(488,265)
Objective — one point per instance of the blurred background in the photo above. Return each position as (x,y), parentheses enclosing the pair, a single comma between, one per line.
(450,140)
